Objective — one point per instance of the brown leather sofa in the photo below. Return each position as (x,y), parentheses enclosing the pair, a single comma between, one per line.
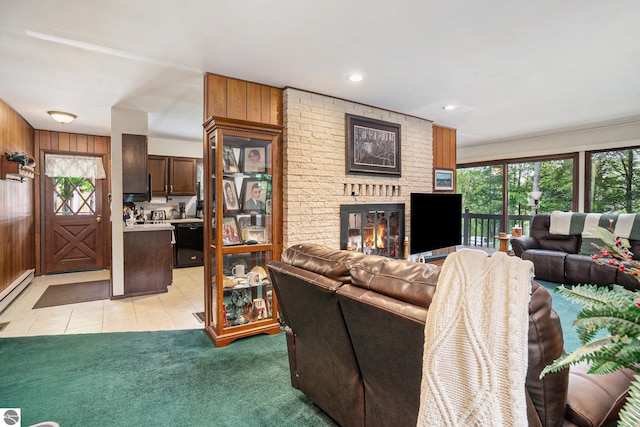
(355,337)
(556,258)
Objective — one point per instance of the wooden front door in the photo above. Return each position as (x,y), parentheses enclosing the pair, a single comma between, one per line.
(73,226)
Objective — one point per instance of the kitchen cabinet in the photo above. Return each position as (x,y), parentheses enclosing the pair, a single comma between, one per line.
(172,176)
(134,166)
(148,259)
(242,227)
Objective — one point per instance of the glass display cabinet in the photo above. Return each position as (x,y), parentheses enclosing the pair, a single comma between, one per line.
(243,209)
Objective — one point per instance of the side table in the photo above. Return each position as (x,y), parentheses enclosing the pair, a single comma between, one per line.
(503,242)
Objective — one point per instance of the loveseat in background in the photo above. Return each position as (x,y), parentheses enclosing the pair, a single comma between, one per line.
(563,258)
(355,338)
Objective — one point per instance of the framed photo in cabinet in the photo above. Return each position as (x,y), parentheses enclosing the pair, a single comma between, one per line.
(254,159)
(230,196)
(254,196)
(255,234)
(230,232)
(230,163)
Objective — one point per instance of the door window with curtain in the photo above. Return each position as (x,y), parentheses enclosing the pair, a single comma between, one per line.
(74,183)
(73,230)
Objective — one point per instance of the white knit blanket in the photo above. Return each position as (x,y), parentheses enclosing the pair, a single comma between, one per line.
(475,351)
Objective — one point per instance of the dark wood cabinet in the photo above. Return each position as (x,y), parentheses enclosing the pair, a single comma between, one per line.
(148,262)
(172,176)
(134,164)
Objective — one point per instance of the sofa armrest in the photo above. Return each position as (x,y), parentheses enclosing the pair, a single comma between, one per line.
(521,244)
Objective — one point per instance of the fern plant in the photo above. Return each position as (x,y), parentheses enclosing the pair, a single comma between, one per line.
(612,309)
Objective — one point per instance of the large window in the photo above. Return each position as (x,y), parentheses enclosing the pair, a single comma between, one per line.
(614,181)
(493,202)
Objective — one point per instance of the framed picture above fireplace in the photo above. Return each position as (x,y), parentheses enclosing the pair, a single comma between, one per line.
(373,146)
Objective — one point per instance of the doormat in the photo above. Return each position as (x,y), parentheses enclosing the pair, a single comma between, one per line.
(199,316)
(3,325)
(73,293)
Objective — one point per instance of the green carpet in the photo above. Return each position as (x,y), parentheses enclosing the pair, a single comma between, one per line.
(169,378)
(567,311)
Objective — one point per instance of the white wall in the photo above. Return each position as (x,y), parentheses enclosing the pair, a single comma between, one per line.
(604,137)
(131,122)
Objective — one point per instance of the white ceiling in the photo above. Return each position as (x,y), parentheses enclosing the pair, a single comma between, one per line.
(515,68)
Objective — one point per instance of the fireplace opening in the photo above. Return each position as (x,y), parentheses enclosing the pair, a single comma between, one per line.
(374,229)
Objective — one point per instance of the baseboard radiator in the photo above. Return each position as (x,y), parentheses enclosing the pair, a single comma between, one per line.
(14,289)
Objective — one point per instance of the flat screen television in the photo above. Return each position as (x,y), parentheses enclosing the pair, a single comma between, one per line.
(436,221)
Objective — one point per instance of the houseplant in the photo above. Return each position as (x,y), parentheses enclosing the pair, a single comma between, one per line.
(612,309)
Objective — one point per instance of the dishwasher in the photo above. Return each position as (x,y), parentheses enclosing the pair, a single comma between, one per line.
(189,244)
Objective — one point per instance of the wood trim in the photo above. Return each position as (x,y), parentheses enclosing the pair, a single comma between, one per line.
(242,100)
(70,143)
(17,203)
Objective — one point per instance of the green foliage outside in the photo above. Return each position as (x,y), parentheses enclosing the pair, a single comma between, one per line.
(615,182)
(614,186)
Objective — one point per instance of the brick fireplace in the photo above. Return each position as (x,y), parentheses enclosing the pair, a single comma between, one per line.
(375,229)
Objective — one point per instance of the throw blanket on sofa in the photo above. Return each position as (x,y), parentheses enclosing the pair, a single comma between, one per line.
(475,351)
(576,223)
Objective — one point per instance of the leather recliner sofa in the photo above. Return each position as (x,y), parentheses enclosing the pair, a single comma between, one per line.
(355,338)
(557,257)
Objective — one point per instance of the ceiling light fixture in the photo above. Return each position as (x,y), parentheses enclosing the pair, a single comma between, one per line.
(62,117)
(355,77)
(449,107)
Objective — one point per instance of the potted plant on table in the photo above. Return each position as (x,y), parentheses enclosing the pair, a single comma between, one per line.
(613,309)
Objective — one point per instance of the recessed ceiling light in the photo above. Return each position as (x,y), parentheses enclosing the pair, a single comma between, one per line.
(355,77)
(449,107)
(62,117)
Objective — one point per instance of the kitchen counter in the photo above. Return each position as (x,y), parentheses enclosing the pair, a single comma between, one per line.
(149,226)
(189,219)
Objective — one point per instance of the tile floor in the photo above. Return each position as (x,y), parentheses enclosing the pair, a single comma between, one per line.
(166,311)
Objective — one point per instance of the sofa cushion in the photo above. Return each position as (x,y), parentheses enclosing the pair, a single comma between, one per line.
(332,263)
(554,242)
(407,281)
(582,269)
(596,399)
(549,265)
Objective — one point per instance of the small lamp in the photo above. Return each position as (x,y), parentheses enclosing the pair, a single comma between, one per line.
(62,117)
(535,198)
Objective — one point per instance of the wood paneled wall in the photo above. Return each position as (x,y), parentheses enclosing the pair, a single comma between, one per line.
(71,143)
(444,148)
(17,225)
(241,100)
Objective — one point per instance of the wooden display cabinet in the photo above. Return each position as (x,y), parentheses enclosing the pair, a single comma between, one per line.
(243,227)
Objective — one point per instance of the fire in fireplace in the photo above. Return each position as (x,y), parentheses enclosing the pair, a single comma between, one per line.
(376,229)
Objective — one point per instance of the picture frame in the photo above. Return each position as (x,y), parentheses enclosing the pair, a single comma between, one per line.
(244,221)
(230,233)
(373,146)
(230,196)
(443,179)
(254,159)
(229,161)
(255,234)
(257,207)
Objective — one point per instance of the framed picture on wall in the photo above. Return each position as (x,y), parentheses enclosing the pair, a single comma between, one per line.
(373,146)
(442,179)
